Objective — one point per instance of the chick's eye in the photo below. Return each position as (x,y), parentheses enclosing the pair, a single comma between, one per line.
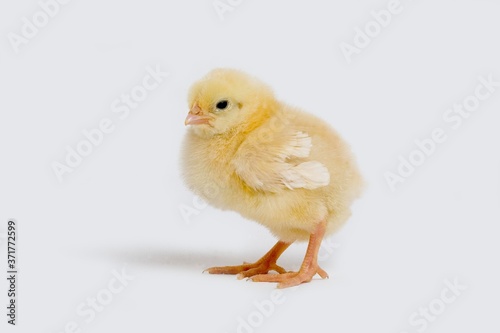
(221,105)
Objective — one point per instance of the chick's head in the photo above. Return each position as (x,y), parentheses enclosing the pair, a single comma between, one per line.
(226,99)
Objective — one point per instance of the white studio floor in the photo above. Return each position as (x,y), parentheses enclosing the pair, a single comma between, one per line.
(106,247)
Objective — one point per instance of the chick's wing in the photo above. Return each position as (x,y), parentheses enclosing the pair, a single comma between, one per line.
(279,162)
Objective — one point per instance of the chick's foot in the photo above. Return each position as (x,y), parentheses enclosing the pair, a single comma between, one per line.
(262,266)
(309,266)
(291,279)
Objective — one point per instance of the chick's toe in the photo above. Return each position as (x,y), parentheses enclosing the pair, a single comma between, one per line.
(264,265)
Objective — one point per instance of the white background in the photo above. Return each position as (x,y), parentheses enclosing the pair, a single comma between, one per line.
(121,206)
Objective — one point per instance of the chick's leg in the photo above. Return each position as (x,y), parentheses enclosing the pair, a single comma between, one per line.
(263,265)
(309,266)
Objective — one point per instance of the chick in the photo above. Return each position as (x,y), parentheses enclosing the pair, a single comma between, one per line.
(247,152)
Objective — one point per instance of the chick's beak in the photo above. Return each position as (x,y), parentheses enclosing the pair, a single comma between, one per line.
(196,117)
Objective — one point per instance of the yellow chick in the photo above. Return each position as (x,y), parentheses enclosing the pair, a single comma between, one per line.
(247,152)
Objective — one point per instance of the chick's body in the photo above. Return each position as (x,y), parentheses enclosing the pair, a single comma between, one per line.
(272,163)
